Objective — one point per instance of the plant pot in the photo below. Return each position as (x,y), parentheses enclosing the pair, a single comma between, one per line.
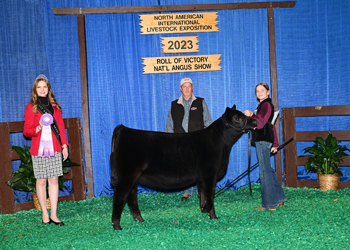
(37,204)
(328,181)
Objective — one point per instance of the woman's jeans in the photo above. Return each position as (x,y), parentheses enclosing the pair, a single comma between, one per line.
(190,190)
(272,193)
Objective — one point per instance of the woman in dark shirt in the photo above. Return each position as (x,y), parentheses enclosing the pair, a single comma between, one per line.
(265,140)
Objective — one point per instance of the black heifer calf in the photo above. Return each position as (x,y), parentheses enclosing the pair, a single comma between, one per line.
(171,161)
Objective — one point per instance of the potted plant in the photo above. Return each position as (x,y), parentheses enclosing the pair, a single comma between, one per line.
(23,179)
(324,158)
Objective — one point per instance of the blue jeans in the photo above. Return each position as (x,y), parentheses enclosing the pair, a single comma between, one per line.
(190,190)
(272,193)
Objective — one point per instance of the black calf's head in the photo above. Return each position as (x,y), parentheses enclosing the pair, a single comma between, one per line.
(236,119)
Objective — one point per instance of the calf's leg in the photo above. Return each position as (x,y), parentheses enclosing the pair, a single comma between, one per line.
(201,196)
(121,192)
(209,195)
(210,205)
(118,206)
(133,204)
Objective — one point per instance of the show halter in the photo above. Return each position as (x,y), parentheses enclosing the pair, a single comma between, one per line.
(238,128)
(249,148)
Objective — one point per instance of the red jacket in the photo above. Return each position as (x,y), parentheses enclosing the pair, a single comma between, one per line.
(31,121)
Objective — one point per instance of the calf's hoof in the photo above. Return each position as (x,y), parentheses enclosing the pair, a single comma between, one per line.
(116,226)
(213,217)
(186,197)
(139,218)
(204,210)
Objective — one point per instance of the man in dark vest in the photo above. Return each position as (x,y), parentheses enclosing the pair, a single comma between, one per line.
(188,113)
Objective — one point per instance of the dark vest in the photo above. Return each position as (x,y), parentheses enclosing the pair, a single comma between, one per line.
(266,133)
(195,118)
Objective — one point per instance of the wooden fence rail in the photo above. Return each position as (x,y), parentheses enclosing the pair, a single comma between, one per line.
(76,174)
(290,158)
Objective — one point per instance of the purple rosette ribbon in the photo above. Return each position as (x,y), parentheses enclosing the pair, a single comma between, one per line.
(46,144)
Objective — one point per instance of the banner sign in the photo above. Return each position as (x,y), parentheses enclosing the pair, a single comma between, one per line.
(179,23)
(174,64)
(182,44)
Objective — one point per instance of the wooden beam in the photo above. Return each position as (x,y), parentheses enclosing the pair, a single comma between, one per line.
(272,52)
(341,135)
(274,88)
(302,160)
(171,8)
(315,184)
(85,104)
(323,110)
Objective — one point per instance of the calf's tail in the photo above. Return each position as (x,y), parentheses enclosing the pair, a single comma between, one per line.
(113,156)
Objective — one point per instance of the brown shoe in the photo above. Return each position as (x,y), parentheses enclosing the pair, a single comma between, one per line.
(281,204)
(186,197)
(261,208)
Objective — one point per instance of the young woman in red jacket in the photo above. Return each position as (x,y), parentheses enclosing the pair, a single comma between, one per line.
(46,149)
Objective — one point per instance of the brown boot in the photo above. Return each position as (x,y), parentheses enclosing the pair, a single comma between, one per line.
(261,208)
(186,197)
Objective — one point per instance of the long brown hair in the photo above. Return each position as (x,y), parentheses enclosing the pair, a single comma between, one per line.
(34,100)
(264,85)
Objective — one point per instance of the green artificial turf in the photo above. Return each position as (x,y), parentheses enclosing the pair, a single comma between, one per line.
(312,219)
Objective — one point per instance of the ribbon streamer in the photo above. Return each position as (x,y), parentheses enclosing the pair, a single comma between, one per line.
(46,144)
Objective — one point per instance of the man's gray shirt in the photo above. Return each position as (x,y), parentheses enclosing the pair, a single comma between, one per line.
(187,106)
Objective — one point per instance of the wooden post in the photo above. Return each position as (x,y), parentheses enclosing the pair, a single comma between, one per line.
(274,86)
(289,157)
(85,104)
(6,193)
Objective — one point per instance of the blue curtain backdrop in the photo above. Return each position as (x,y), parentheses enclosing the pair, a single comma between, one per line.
(313,55)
